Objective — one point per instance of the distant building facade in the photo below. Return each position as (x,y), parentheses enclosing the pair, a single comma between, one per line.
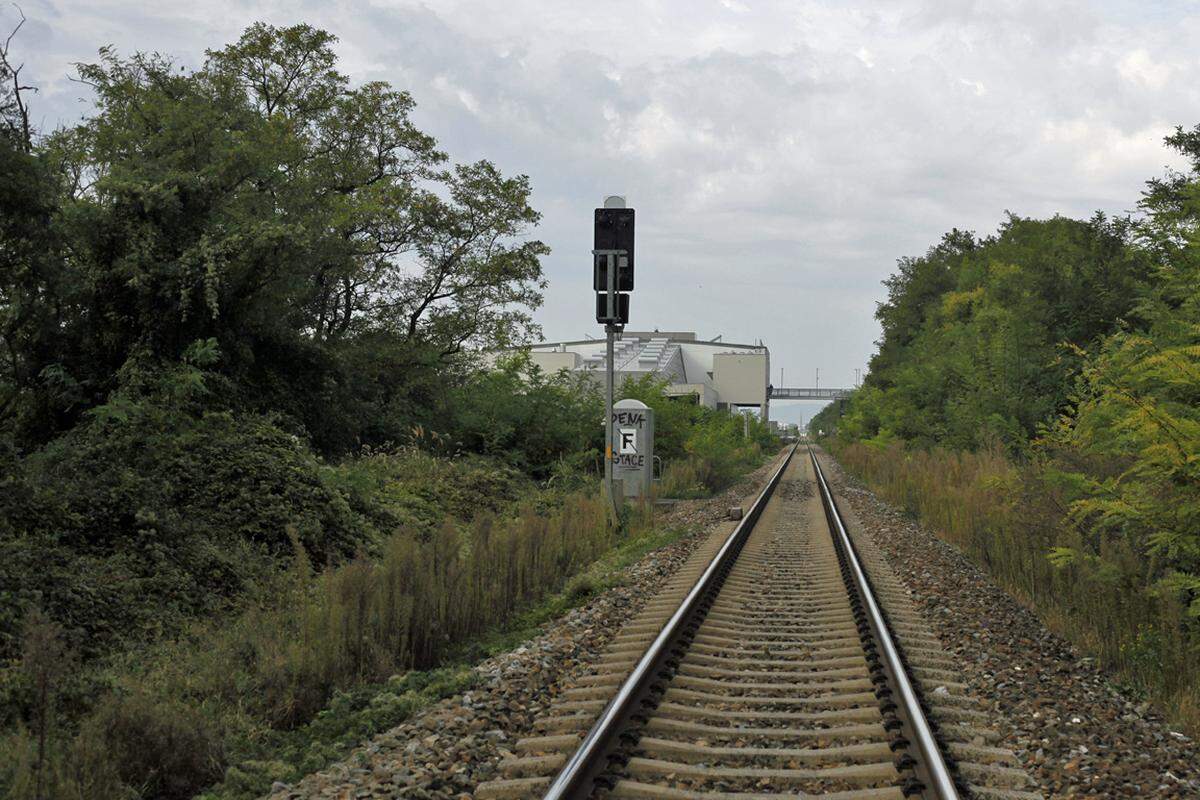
(717,374)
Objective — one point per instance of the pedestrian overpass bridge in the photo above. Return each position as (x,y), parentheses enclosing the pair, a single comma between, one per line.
(782,393)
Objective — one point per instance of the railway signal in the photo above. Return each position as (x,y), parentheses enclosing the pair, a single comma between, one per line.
(613,231)
(612,277)
(612,261)
(620,312)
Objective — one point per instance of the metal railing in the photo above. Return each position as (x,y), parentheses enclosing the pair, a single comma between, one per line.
(800,393)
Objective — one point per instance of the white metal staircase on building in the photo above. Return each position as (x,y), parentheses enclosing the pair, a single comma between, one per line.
(659,356)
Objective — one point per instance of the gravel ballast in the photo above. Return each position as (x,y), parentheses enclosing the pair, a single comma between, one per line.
(1074,732)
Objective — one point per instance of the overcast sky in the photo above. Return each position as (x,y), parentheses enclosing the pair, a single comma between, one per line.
(781,155)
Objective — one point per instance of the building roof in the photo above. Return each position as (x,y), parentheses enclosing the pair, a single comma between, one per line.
(680,337)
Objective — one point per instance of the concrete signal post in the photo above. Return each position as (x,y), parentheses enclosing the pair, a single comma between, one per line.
(612,278)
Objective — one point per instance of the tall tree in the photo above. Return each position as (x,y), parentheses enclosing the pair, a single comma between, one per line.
(265,202)
(978,333)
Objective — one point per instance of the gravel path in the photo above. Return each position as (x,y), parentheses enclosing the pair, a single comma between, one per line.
(1071,729)
(449,748)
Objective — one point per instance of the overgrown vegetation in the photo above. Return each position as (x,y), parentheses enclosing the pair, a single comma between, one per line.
(1036,397)
(258,497)
(396,561)
(1008,516)
(703,451)
(229,691)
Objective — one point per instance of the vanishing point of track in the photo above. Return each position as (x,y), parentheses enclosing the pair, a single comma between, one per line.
(769,667)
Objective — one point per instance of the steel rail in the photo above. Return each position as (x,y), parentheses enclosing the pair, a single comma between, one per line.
(574,779)
(932,759)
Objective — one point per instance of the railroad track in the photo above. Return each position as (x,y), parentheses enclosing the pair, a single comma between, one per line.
(783,659)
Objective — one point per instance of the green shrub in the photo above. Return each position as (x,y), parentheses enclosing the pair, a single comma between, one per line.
(409,488)
(719,449)
(518,414)
(75,768)
(580,588)
(130,746)
(147,516)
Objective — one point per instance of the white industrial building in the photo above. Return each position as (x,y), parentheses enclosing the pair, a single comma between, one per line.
(717,374)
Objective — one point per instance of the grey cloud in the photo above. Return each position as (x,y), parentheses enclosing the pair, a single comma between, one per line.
(781,156)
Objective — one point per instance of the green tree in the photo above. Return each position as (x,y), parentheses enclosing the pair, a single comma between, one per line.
(980,335)
(537,422)
(29,260)
(1130,448)
(265,202)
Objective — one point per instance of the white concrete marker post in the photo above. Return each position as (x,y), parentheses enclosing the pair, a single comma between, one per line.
(632,424)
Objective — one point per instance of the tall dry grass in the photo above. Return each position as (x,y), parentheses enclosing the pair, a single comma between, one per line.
(1009,520)
(278,663)
(368,619)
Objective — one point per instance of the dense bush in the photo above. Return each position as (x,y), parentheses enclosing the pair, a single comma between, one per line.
(147,514)
(541,424)
(716,455)
(181,713)
(160,745)
(409,488)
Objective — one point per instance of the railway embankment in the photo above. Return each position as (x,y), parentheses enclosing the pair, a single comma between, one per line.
(1073,729)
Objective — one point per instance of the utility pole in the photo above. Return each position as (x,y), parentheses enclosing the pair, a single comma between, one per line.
(818,386)
(612,276)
